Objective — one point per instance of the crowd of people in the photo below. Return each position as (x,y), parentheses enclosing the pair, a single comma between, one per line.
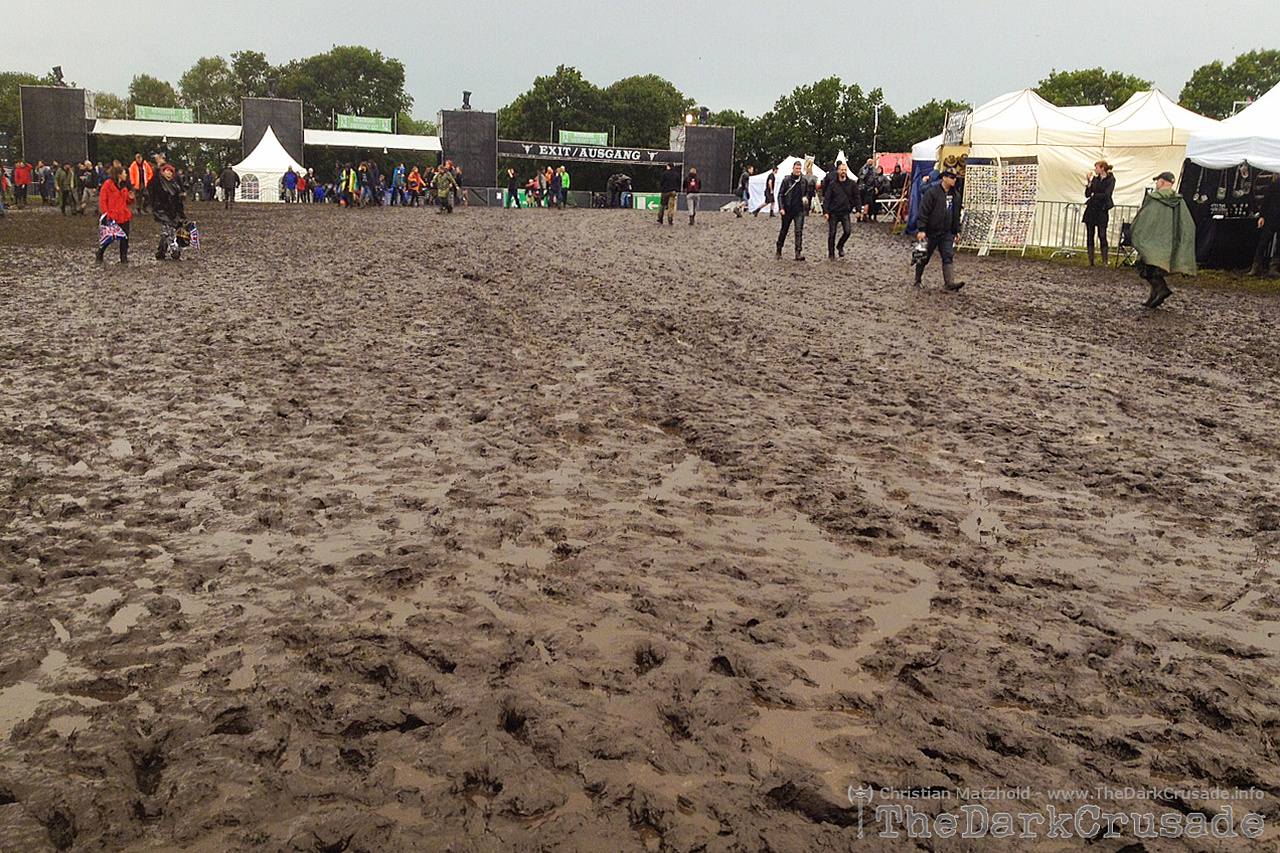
(1162,230)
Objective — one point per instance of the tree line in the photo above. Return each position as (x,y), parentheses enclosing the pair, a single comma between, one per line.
(818,119)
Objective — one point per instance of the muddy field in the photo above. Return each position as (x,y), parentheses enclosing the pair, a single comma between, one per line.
(532,531)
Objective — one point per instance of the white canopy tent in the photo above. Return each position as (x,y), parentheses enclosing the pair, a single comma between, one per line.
(1093,113)
(926,151)
(757,182)
(1250,136)
(1023,124)
(261,171)
(165,129)
(365,139)
(1147,135)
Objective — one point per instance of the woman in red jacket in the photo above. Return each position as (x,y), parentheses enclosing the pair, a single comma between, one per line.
(113,201)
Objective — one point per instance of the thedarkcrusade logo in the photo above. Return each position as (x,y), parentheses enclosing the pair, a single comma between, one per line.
(889,813)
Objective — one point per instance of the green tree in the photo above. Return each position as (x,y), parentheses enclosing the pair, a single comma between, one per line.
(347,80)
(152,92)
(1090,86)
(824,118)
(1213,89)
(411,126)
(642,110)
(253,74)
(210,88)
(110,105)
(811,120)
(921,123)
(562,101)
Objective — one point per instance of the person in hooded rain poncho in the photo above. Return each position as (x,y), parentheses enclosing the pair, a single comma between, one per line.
(1164,234)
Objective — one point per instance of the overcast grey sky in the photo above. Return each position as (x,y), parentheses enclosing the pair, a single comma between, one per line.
(742,55)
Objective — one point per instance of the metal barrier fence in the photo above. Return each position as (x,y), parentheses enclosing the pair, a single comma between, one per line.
(1058,225)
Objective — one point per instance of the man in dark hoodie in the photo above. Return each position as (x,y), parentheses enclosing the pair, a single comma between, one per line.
(168,209)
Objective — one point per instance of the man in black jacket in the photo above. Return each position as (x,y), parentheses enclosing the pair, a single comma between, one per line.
(839,198)
(794,197)
(939,223)
(1268,252)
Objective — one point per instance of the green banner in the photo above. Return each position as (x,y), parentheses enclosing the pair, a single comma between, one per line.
(577,137)
(379,125)
(164,114)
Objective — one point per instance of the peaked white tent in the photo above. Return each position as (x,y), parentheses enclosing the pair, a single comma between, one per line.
(1147,135)
(1093,113)
(1250,136)
(261,171)
(1022,125)
(757,182)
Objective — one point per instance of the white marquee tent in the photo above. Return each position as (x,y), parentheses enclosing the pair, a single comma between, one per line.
(261,171)
(1147,135)
(927,150)
(1250,136)
(1093,113)
(1023,124)
(757,181)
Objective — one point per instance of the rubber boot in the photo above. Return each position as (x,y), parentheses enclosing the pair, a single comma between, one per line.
(1104,256)
(1273,271)
(949,278)
(691,218)
(1151,293)
(1256,269)
(1090,257)
(919,280)
(1162,293)
(101,251)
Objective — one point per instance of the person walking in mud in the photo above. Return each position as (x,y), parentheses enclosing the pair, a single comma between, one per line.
(1164,234)
(113,203)
(770,184)
(744,191)
(513,190)
(444,185)
(168,209)
(229,181)
(670,188)
(938,224)
(839,200)
(794,197)
(692,186)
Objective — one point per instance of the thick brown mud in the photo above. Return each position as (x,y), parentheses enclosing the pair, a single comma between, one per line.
(532,531)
